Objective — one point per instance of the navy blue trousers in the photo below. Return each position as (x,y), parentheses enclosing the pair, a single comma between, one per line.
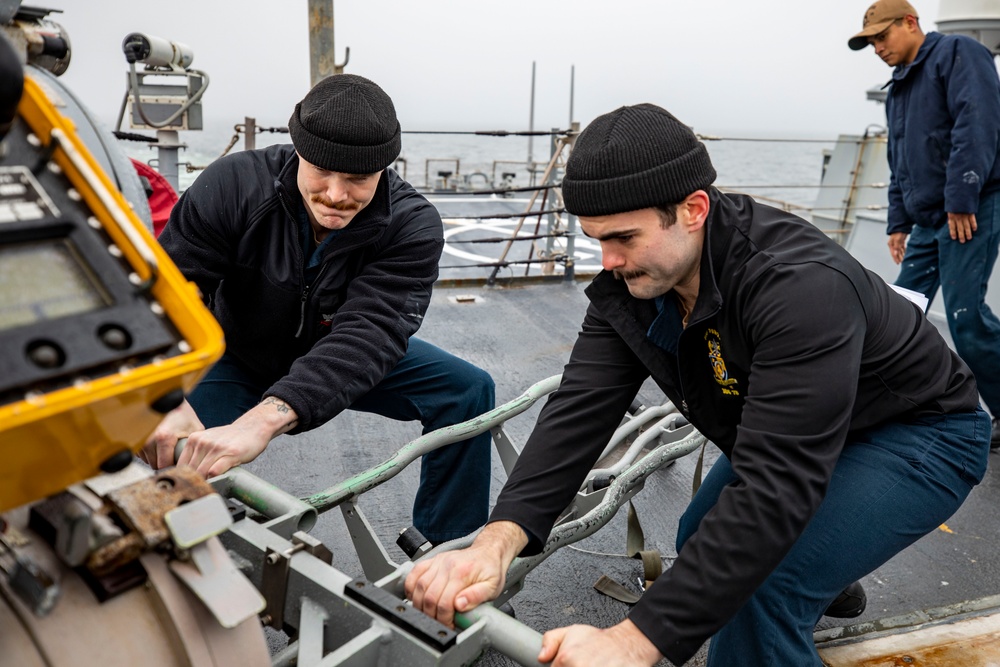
(962,271)
(892,485)
(428,385)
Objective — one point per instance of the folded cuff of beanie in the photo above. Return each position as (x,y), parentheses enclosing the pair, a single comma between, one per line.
(340,157)
(662,185)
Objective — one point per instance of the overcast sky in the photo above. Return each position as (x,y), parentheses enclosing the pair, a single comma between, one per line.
(762,67)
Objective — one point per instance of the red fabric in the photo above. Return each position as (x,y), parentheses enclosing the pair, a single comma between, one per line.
(163,197)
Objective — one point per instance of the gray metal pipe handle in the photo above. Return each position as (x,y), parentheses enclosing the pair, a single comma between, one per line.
(508,635)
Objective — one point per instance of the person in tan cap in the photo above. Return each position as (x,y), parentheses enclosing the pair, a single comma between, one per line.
(943,112)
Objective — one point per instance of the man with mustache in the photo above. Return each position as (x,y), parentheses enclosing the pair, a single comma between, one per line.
(318,262)
(943,112)
(847,426)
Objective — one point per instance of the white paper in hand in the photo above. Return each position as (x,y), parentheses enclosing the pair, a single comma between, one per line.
(915,297)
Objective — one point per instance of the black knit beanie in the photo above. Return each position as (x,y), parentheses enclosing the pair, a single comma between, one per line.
(346,123)
(633,158)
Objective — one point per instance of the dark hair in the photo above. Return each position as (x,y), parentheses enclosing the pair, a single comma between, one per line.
(667,213)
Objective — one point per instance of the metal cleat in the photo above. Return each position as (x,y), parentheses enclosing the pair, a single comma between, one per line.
(141,507)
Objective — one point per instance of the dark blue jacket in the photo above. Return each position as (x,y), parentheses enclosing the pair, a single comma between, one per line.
(943,112)
(321,344)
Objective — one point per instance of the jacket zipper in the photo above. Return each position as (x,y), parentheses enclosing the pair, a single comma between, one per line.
(680,387)
(302,311)
(680,374)
(304,299)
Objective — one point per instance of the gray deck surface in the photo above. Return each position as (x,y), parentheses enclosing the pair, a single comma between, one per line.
(524,334)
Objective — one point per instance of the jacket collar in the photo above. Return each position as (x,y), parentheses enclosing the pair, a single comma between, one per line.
(930,41)
(713,254)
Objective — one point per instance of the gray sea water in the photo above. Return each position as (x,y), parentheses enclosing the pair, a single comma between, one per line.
(779,170)
(782,168)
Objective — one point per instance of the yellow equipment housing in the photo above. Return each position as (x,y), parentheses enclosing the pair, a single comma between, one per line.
(96,347)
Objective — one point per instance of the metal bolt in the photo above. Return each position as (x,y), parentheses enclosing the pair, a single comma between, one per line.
(294,549)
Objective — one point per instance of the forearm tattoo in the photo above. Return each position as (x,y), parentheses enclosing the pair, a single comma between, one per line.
(281,407)
(278,404)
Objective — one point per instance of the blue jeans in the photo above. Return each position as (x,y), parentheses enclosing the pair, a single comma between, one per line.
(428,385)
(962,271)
(892,485)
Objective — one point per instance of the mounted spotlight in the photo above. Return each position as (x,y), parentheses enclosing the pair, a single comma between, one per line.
(158,99)
(157,105)
(156,52)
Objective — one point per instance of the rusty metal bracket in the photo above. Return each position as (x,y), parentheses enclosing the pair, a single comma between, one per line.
(141,508)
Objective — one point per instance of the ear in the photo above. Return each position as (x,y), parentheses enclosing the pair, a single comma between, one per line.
(695,208)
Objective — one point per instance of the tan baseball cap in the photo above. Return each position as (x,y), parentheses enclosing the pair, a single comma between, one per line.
(878,17)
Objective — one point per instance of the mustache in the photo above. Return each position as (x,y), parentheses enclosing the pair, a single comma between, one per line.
(320,199)
(627,275)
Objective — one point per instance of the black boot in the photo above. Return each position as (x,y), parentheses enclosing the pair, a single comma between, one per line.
(995,437)
(850,603)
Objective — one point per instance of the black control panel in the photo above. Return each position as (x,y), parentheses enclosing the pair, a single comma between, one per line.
(71,307)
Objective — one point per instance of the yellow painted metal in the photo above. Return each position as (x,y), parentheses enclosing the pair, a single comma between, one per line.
(51,440)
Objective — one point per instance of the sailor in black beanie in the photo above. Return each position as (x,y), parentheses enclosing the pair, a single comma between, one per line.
(789,356)
(319,261)
(346,123)
(345,126)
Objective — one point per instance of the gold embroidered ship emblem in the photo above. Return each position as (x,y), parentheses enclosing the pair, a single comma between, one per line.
(718,364)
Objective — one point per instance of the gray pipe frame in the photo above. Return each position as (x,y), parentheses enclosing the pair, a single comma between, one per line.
(369,479)
(505,634)
(664,425)
(502,632)
(620,490)
(287,513)
(572,531)
(635,423)
(508,635)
